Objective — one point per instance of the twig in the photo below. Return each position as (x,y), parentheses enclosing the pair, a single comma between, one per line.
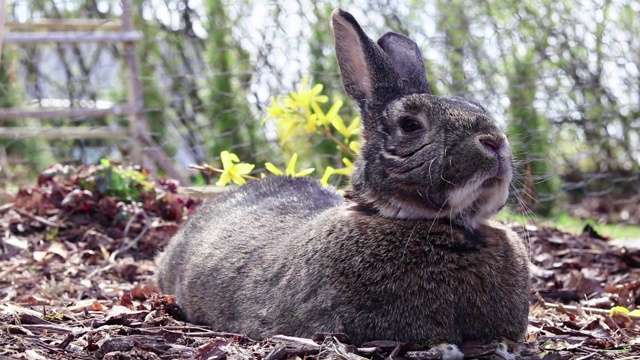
(9,270)
(66,341)
(395,351)
(586,356)
(99,270)
(36,217)
(49,328)
(575,309)
(135,241)
(6,207)
(300,344)
(129,223)
(326,133)
(132,243)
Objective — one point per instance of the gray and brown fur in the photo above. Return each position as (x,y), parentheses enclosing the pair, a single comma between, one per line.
(409,252)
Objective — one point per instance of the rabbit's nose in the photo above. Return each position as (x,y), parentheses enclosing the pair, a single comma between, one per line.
(492,143)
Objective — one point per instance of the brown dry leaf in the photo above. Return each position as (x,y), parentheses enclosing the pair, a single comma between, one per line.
(28,200)
(59,249)
(143,293)
(213,350)
(81,305)
(127,300)
(96,306)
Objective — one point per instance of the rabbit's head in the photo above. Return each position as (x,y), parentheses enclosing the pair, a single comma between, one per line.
(423,156)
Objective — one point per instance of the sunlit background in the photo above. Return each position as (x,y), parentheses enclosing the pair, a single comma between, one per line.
(561,76)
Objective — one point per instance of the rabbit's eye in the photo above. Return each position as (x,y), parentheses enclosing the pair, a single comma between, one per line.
(409,124)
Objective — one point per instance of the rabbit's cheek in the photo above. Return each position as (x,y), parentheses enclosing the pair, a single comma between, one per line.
(491,200)
(461,198)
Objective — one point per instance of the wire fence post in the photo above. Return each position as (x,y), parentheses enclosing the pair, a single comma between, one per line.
(3,12)
(139,123)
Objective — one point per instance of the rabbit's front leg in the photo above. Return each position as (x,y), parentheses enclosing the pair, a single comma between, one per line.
(446,351)
(503,351)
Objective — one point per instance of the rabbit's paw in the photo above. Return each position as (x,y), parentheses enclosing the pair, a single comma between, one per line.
(446,352)
(503,351)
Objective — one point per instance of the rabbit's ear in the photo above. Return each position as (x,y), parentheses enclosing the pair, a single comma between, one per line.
(407,60)
(367,73)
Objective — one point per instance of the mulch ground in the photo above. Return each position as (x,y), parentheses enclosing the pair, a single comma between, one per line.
(76,282)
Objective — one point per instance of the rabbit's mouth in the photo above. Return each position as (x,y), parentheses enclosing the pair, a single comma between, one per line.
(502,169)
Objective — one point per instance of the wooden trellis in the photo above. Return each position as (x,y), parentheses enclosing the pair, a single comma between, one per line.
(82,31)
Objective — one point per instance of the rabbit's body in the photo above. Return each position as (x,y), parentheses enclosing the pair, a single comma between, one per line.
(409,252)
(310,262)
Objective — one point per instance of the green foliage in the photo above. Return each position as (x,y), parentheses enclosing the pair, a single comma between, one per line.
(532,132)
(36,152)
(227,105)
(51,233)
(453,21)
(566,222)
(125,183)
(56,316)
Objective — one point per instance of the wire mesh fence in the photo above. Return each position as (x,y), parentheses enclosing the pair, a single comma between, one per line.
(561,77)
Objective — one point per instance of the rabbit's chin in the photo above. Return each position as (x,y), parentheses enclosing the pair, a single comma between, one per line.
(469,205)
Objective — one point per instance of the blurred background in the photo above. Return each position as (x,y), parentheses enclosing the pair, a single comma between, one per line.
(194,77)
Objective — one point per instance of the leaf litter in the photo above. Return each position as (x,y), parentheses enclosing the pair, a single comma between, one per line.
(76,282)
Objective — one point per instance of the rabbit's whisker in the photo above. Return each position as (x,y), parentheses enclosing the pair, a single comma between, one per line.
(447,181)
(429,171)
(406,244)
(435,219)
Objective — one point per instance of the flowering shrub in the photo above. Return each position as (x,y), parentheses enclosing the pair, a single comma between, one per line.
(297,113)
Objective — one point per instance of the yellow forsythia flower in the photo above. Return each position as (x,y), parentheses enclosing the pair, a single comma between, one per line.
(291,168)
(329,171)
(233,172)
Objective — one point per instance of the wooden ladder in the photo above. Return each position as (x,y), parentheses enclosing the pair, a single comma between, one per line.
(65,31)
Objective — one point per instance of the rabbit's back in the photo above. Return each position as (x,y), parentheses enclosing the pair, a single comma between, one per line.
(235,239)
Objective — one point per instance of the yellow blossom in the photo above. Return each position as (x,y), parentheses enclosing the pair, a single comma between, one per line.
(275,111)
(330,116)
(305,98)
(329,171)
(287,128)
(355,147)
(347,131)
(233,172)
(310,126)
(291,168)
(621,310)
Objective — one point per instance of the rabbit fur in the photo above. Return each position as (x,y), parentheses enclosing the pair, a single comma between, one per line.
(407,254)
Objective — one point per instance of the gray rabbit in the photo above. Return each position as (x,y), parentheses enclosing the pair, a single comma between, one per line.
(407,254)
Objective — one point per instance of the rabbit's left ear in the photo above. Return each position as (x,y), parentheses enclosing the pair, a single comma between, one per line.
(407,60)
(367,73)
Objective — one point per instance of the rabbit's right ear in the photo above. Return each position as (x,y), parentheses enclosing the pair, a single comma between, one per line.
(366,70)
(407,60)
